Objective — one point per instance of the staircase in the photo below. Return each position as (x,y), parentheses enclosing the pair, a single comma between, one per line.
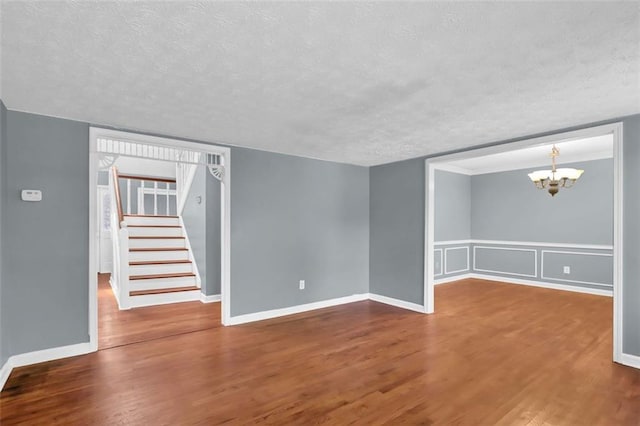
(160,261)
(153,260)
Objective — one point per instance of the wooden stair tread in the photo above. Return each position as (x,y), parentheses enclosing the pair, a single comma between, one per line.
(155,238)
(156,276)
(157,262)
(159,249)
(162,291)
(154,226)
(149,215)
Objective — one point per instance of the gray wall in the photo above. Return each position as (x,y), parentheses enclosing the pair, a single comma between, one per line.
(397,230)
(194,216)
(631,213)
(214,236)
(3,127)
(518,212)
(397,213)
(505,206)
(339,227)
(452,198)
(291,219)
(45,256)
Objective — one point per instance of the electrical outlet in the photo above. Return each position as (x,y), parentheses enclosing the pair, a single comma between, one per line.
(301,284)
(566,270)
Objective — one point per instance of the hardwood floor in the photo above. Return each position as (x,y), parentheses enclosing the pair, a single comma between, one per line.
(492,354)
(117,328)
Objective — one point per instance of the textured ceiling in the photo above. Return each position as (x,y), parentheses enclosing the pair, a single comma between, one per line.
(363,83)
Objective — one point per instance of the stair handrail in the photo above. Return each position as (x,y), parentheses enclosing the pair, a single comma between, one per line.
(118,199)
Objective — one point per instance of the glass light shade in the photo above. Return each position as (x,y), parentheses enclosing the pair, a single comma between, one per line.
(572,174)
(539,175)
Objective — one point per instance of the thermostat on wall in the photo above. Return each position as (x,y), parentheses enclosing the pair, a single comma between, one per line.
(31,195)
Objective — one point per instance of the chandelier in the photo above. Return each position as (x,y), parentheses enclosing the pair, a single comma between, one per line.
(554,179)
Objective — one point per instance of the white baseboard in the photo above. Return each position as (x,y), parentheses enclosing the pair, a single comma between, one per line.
(452,279)
(50,354)
(396,302)
(553,286)
(43,356)
(630,360)
(274,313)
(5,372)
(210,299)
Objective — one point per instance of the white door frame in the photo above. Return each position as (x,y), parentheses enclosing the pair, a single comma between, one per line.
(225,199)
(615,129)
(99,255)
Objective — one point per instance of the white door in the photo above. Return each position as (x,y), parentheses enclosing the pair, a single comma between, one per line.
(105,251)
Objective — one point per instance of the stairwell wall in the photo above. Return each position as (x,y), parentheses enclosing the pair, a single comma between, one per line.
(194,217)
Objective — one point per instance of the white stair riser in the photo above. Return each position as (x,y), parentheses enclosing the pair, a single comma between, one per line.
(162,299)
(136,256)
(155,232)
(157,243)
(173,268)
(151,220)
(158,283)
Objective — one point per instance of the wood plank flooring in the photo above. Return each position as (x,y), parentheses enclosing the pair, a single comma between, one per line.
(117,328)
(492,354)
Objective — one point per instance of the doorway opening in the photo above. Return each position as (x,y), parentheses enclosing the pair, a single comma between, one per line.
(159,236)
(512,232)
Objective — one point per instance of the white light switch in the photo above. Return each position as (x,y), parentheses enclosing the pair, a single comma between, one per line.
(566,270)
(31,195)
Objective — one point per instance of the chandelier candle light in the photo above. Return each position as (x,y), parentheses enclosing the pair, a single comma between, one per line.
(554,179)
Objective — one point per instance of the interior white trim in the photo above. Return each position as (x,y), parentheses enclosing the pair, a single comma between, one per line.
(553,286)
(452,279)
(396,302)
(543,252)
(618,237)
(452,242)
(439,250)
(630,360)
(5,372)
(225,198)
(275,313)
(615,129)
(526,243)
(446,251)
(44,355)
(535,261)
(210,299)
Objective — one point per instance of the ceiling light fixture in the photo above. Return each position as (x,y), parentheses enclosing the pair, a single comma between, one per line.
(554,179)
